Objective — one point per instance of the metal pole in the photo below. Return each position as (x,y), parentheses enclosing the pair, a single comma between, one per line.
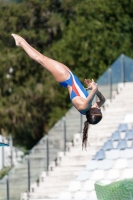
(64,122)
(11,149)
(110,82)
(7,188)
(81,122)
(123,69)
(28,165)
(3,157)
(47,153)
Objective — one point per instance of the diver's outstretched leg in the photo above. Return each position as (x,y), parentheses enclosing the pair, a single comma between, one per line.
(58,70)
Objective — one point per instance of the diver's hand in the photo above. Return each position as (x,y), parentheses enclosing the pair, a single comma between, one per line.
(91,84)
(94,85)
(88,83)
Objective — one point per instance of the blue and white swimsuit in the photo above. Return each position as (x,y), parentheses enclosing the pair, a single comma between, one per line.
(77,88)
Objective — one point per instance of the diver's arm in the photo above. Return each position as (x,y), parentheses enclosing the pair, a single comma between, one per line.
(101,98)
(85,103)
(90,98)
(88,101)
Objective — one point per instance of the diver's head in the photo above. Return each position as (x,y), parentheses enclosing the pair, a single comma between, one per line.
(93,116)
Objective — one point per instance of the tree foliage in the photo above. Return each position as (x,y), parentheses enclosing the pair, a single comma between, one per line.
(86,35)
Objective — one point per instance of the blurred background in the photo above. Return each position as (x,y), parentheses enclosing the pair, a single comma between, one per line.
(95,40)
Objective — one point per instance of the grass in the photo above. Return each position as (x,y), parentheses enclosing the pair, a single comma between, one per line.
(4,171)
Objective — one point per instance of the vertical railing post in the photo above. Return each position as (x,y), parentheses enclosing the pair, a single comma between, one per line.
(110,82)
(47,153)
(81,122)
(28,166)
(64,132)
(11,149)
(3,153)
(7,188)
(123,69)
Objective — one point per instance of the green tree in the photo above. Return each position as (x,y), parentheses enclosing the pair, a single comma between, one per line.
(28,94)
(86,35)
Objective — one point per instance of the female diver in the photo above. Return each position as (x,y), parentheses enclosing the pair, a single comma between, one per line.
(78,95)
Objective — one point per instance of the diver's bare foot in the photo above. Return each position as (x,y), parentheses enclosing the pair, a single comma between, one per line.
(18,39)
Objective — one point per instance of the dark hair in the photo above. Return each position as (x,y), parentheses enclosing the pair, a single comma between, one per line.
(93,117)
